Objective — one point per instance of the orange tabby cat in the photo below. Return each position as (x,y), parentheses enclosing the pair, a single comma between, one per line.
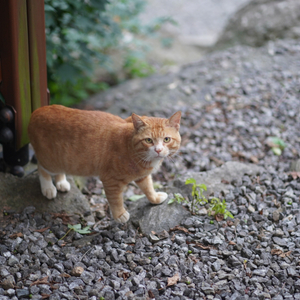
(95,143)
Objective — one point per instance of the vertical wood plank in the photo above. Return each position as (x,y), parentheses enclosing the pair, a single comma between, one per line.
(14,53)
(37,53)
(24,106)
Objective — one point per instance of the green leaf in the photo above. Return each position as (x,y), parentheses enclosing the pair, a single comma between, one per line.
(228,214)
(190,181)
(202,186)
(157,185)
(179,198)
(48,8)
(99,4)
(277,141)
(136,197)
(66,72)
(171,201)
(84,230)
(75,227)
(136,67)
(277,151)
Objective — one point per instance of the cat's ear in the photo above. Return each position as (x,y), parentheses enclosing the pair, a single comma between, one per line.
(137,121)
(174,121)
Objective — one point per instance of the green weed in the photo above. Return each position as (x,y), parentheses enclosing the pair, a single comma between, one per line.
(77,228)
(178,198)
(216,206)
(277,145)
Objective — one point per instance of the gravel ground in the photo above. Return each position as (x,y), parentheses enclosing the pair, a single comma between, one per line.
(253,256)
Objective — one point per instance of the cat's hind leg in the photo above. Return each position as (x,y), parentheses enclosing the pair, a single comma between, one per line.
(61,183)
(47,186)
(146,185)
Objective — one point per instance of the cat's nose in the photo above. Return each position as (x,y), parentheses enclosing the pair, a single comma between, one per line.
(158,150)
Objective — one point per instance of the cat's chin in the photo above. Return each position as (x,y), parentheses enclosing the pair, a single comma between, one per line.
(159,157)
(156,159)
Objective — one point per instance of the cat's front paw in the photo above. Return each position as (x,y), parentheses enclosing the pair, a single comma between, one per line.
(49,192)
(160,197)
(123,218)
(63,185)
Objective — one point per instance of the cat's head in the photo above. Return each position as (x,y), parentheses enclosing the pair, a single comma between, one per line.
(156,138)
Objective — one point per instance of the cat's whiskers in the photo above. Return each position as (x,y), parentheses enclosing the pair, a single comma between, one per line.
(172,155)
(170,158)
(143,159)
(141,156)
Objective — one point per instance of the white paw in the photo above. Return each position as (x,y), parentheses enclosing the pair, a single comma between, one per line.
(63,185)
(49,191)
(47,187)
(123,218)
(161,197)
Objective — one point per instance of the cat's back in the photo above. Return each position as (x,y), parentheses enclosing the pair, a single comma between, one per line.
(58,121)
(46,116)
(56,124)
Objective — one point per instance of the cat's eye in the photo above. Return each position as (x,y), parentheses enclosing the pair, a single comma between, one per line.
(148,141)
(167,140)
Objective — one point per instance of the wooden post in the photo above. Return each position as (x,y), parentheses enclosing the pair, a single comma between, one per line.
(23,73)
(37,53)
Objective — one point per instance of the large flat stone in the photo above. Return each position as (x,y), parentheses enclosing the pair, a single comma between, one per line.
(17,193)
(149,217)
(215,179)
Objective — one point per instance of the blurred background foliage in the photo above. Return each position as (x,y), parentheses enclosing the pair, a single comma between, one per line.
(85,37)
